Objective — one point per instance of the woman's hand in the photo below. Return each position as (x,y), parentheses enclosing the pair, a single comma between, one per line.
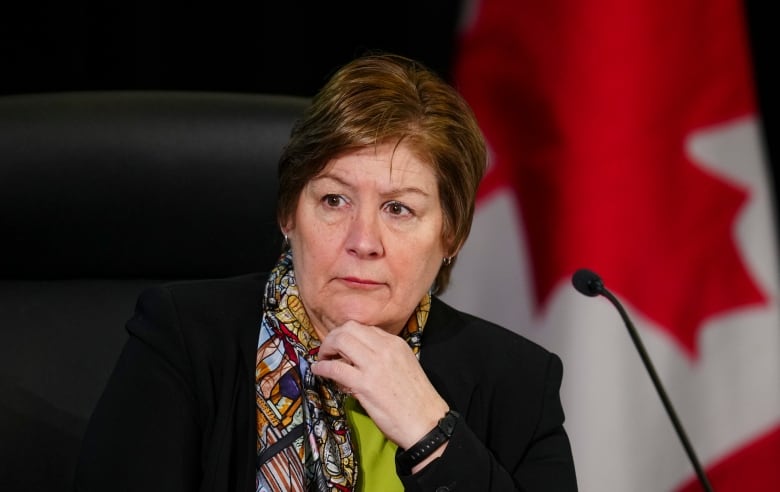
(381,371)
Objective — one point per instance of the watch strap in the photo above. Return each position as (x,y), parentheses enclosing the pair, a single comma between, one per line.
(430,442)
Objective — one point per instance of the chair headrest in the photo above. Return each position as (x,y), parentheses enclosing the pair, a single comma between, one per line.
(140,184)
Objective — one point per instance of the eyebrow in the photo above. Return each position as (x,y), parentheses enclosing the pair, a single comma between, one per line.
(390,193)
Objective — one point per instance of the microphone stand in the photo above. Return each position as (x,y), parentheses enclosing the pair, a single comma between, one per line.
(705,483)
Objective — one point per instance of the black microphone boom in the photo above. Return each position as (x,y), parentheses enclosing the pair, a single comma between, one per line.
(590,284)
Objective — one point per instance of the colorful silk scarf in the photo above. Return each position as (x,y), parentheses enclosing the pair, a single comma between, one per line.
(303,440)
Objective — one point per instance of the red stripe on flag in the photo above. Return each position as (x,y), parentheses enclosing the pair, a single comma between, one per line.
(751,467)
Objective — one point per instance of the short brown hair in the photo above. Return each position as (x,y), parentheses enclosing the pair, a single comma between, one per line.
(381,98)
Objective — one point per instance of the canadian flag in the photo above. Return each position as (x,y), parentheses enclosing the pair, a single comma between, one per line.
(624,138)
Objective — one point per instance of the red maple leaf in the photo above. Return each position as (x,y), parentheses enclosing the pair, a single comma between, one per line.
(587,107)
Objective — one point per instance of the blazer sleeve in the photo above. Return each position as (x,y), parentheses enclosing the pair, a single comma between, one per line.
(144,432)
(541,462)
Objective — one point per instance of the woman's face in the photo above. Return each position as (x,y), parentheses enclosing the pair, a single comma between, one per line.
(366,238)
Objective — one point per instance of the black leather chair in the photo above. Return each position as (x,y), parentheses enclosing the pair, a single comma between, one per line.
(101,195)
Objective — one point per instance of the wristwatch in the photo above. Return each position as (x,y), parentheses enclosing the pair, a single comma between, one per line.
(430,442)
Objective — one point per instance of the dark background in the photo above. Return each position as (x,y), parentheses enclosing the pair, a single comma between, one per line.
(287,47)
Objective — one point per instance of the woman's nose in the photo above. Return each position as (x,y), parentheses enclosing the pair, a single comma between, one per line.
(365,237)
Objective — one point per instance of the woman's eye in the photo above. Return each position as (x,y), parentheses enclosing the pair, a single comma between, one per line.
(333,200)
(396,208)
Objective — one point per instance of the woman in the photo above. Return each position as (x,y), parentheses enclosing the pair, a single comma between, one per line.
(341,370)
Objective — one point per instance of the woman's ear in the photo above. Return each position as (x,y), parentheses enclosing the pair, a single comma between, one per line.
(285,230)
(286,226)
(452,251)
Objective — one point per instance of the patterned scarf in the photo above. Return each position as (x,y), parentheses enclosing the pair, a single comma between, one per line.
(303,440)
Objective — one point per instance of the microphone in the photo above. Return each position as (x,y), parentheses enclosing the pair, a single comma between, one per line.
(590,284)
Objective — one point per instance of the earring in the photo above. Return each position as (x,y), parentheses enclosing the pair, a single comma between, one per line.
(447,260)
(285,243)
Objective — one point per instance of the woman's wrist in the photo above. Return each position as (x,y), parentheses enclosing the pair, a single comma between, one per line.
(430,446)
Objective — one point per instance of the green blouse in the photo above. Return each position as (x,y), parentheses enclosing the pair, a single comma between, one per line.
(376,453)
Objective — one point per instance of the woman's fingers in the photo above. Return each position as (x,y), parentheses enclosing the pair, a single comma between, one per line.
(382,372)
(350,338)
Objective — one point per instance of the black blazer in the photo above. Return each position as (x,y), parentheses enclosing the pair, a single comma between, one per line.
(178,413)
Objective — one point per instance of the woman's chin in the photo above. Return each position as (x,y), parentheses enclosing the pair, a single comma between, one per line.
(365,313)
